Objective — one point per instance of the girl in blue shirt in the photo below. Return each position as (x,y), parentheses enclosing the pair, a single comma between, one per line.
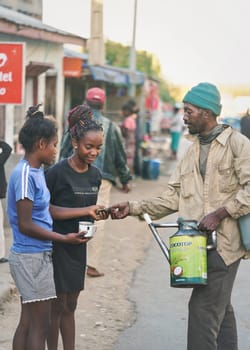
(29,216)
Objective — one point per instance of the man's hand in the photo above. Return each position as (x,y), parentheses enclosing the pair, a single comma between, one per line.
(120,210)
(211,221)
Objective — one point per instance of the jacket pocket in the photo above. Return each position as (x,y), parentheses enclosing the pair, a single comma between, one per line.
(227,179)
(187,184)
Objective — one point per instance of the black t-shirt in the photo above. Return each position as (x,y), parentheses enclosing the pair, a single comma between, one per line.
(69,188)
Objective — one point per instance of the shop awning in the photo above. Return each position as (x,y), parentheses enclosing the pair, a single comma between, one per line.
(34,69)
(135,77)
(116,75)
(108,75)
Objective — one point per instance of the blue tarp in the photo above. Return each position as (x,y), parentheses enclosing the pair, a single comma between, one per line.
(108,75)
(115,75)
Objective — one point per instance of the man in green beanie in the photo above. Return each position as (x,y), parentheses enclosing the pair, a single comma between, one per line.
(211,184)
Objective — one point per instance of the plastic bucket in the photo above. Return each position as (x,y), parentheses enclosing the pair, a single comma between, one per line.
(244,222)
(150,169)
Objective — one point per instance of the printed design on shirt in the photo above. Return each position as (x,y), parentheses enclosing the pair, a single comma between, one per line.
(85,190)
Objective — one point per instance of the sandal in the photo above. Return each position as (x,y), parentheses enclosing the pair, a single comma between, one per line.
(93,272)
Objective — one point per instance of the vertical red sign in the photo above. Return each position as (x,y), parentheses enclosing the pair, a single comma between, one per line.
(11,73)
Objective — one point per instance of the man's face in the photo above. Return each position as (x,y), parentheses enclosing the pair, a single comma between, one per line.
(195,118)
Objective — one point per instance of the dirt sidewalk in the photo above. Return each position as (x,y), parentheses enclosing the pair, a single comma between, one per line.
(103,309)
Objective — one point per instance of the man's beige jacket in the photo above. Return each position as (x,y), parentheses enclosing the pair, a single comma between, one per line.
(226,184)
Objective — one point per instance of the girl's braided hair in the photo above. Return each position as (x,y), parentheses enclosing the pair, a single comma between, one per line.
(80,120)
(35,128)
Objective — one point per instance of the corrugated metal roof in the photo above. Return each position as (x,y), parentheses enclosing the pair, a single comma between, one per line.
(28,21)
(71,53)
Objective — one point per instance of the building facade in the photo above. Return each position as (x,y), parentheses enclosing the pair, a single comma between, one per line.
(43,65)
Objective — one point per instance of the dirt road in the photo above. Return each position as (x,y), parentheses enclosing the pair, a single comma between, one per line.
(104,309)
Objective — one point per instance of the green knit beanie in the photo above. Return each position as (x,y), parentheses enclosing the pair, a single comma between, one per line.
(206,96)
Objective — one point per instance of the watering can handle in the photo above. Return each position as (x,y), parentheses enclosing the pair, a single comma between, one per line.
(162,245)
(159,225)
(147,218)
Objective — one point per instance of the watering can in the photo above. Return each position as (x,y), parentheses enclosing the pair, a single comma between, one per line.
(187,252)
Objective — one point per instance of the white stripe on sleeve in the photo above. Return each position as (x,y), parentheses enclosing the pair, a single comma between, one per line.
(25,174)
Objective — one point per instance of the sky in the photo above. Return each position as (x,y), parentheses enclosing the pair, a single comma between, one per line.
(194,40)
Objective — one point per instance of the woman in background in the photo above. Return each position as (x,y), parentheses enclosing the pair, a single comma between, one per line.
(128,128)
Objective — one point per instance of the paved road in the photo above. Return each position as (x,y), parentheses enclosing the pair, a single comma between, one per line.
(161,311)
(161,315)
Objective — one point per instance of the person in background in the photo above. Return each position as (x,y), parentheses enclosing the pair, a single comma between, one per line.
(245,124)
(176,128)
(128,130)
(112,163)
(211,184)
(138,138)
(4,155)
(28,209)
(73,183)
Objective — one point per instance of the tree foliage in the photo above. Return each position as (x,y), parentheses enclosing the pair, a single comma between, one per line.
(165,92)
(117,55)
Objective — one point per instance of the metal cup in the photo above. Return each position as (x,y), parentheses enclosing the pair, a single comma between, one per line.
(88,227)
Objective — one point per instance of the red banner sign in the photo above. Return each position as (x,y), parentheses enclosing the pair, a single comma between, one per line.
(72,67)
(11,73)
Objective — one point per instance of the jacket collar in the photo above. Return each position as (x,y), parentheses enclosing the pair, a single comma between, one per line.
(222,138)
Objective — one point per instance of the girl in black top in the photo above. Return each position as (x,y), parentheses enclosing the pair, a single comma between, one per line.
(73,183)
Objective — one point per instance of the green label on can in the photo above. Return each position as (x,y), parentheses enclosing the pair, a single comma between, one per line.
(188,260)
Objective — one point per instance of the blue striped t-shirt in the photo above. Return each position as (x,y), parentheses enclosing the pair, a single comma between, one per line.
(27,182)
